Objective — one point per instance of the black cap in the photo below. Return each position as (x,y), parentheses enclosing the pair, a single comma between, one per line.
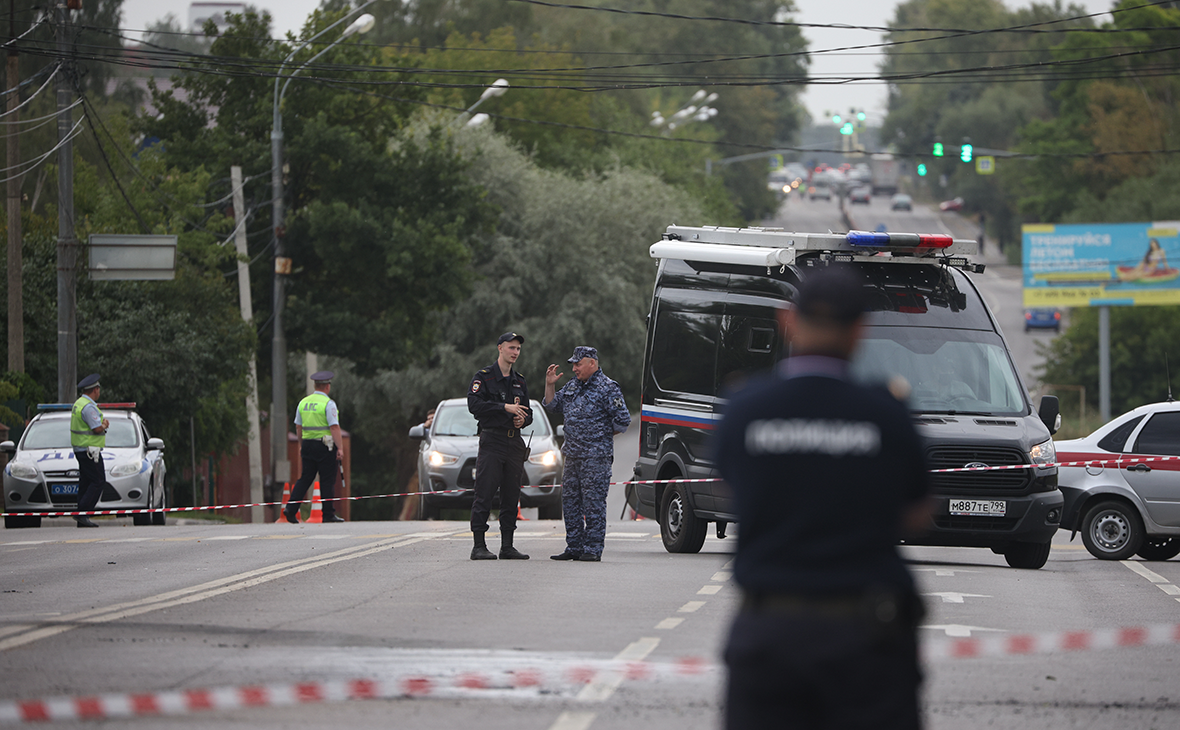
(323,376)
(88,382)
(834,294)
(507,336)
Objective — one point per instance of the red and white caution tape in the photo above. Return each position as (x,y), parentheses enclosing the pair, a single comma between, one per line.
(522,679)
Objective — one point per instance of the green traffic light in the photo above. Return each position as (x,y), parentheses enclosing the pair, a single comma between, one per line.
(835,119)
(921,170)
(965,153)
(847,128)
(860,116)
(938,149)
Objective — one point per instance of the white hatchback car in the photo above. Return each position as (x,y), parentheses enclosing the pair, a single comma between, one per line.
(1129,505)
(42,474)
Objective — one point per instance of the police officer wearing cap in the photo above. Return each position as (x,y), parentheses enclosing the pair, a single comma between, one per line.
(317,424)
(499,400)
(594,411)
(88,429)
(827,476)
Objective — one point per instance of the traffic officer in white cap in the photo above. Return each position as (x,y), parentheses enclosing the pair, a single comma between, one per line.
(321,447)
(88,435)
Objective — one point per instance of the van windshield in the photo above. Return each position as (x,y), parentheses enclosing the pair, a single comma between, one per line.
(949,371)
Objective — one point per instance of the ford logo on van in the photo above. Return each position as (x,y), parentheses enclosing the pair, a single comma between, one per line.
(975,465)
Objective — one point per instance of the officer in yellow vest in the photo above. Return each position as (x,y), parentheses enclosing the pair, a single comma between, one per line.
(88,431)
(317,424)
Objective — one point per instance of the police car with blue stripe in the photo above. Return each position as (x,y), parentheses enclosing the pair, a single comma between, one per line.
(713,323)
(42,472)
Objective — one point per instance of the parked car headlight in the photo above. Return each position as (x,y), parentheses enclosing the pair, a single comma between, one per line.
(439,458)
(125,470)
(1043,453)
(22,471)
(548,458)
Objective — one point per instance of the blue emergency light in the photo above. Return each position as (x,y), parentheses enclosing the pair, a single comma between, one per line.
(901,241)
(70,406)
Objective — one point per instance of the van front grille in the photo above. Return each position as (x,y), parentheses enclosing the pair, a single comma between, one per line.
(957,457)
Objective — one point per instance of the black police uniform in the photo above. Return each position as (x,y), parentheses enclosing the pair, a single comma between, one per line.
(822,471)
(502,450)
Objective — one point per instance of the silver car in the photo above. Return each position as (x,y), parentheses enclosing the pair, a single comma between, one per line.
(446,462)
(42,474)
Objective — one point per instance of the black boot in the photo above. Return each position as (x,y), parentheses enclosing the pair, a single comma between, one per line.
(84,521)
(507,552)
(480,551)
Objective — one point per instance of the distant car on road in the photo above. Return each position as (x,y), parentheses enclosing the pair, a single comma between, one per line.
(446,462)
(901,201)
(863,194)
(1042,318)
(1125,506)
(819,191)
(951,205)
(42,473)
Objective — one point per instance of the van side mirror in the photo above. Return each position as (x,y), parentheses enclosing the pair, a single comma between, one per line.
(418,432)
(1050,413)
(8,447)
(155,444)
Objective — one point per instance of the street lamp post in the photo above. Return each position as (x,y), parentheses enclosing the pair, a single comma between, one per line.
(280,467)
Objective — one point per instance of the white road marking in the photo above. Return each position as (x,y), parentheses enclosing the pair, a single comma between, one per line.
(669,623)
(148,539)
(958,631)
(326,537)
(1139,568)
(26,634)
(229,537)
(639,535)
(708,590)
(690,607)
(953,597)
(944,572)
(573,721)
(721,576)
(604,685)
(1171,590)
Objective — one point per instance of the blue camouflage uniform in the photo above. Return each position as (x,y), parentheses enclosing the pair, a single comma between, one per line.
(594,411)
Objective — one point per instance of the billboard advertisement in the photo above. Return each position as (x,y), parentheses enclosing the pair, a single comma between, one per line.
(1095,264)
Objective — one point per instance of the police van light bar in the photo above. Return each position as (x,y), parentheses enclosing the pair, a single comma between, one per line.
(874,239)
(70,406)
(118,406)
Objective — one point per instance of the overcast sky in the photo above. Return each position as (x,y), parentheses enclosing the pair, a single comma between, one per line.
(290,15)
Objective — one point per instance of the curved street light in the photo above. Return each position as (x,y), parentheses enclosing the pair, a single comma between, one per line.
(282,265)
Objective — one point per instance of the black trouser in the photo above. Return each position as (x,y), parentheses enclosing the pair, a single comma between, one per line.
(317,459)
(498,467)
(812,671)
(92,477)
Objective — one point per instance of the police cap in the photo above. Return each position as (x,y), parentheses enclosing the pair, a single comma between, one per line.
(834,294)
(323,376)
(88,382)
(582,351)
(509,336)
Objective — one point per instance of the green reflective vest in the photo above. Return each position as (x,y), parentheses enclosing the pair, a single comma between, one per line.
(313,412)
(81,435)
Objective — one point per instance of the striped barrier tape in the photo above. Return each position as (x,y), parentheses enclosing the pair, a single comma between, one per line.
(1116,462)
(469,684)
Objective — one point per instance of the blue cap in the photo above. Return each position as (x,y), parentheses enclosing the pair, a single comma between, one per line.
(323,376)
(88,382)
(582,351)
(509,336)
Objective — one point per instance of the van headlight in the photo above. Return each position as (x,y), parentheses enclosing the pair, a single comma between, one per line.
(1043,453)
(22,471)
(548,458)
(125,470)
(439,458)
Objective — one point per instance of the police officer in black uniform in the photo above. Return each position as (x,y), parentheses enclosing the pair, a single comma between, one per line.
(499,400)
(827,476)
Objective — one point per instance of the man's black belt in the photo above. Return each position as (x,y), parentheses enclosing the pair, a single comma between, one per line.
(509,432)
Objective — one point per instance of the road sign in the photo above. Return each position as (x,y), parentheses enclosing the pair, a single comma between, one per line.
(132,258)
(985,165)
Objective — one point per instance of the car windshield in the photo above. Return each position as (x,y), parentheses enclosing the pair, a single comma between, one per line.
(456,420)
(950,372)
(54,433)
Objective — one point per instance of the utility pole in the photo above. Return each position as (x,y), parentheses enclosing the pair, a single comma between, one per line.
(254,443)
(67,242)
(16,308)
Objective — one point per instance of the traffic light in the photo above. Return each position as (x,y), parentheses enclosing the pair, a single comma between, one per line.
(836,119)
(938,149)
(921,169)
(965,152)
(847,128)
(860,116)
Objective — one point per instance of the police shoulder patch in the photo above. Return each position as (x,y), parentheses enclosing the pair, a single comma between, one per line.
(617,402)
(475,385)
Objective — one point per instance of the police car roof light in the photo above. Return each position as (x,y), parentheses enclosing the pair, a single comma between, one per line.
(118,406)
(54,406)
(876,239)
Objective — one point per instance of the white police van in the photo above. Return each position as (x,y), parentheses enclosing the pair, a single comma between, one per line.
(712,323)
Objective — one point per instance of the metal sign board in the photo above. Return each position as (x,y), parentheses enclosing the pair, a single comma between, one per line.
(1101,264)
(118,257)
(985,165)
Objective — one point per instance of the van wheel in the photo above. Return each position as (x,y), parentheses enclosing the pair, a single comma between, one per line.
(1159,548)
(1027,555)
(682,531)
(1112,531)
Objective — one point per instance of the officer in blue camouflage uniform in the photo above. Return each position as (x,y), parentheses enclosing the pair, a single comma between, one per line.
(594,411)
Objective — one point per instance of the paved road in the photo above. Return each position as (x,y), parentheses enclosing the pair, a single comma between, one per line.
(182,607)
